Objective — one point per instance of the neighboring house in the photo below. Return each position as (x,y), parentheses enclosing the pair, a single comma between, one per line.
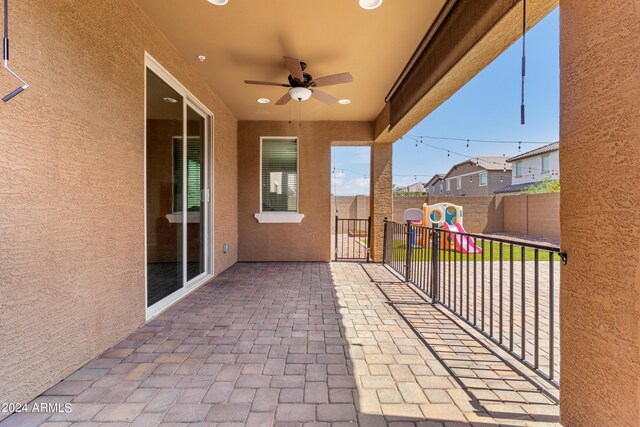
(533,166)
(435,185)
(417,187)
(479,176)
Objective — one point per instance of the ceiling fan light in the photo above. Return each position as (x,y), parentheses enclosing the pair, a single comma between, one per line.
(218,2)
(345,101)
(300,93)
(264,100)
(370,4)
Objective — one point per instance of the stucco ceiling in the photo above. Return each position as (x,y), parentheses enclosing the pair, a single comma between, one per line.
(246,39)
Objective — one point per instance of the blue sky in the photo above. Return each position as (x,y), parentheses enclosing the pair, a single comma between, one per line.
(488,107)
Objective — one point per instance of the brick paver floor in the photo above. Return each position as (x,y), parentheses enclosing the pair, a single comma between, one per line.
(301,344)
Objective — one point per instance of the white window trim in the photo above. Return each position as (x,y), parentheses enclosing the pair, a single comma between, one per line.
(548,157)
(458,183)
(151,63)
(515,169)
(448,185)
(480,179)
(280,217)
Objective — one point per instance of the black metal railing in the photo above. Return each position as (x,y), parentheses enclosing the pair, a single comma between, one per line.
(352,239)
(506,289)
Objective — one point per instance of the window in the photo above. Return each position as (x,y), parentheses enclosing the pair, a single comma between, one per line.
(483,179)
(279,175)
(518,169)
(448,185)
(545,164)
(459,183)
(441,188)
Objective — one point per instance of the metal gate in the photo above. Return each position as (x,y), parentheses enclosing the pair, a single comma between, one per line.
(352,239)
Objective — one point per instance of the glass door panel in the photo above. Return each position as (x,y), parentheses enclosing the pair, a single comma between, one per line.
(165,126)
(196,195)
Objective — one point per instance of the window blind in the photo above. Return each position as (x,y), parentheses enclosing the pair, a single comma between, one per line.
(194,174)
(279,175)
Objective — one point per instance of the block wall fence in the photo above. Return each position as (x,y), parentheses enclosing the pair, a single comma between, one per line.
(534,215)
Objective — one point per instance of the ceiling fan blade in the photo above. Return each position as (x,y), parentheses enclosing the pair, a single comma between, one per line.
(334,79)
(284,100)
(257,82)
(323,97)
(293,64)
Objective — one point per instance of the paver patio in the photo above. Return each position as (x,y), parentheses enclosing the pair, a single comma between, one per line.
(297,344)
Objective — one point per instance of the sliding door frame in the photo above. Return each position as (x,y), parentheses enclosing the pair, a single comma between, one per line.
(207,219)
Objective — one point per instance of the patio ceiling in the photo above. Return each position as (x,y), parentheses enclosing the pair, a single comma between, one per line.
(247,39)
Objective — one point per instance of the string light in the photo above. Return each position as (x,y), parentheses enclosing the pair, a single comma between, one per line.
(484,141)
(474,159)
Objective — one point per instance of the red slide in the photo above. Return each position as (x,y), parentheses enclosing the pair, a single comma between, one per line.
(464,244)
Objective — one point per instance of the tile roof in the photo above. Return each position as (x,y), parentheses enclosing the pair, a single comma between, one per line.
(541,150)
(515,188)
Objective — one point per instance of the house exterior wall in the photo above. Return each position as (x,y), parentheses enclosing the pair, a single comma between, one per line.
(600,216)
(470,180)
(72,269)
(309,240)
(416,188)
(535,164)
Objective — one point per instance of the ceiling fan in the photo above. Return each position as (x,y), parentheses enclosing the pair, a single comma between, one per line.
(303,86)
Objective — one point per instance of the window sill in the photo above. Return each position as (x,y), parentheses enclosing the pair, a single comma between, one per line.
(176,217)
(279,217)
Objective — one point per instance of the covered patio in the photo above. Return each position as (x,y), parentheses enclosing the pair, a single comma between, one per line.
(269,343)
(165,238)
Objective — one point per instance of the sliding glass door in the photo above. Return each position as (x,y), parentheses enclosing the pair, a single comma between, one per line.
(196,193)
(177,191)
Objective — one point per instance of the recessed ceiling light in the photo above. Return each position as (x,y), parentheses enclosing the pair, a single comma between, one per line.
(263,100)
(218,2)
(345,101)
(201,58)
(368,4)
(170,100)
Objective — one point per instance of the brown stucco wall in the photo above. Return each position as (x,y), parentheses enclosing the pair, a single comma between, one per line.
(71,185)
(600,213)
(311,239)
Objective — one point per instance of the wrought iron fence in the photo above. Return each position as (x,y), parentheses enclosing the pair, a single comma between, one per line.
(352,239)
(506,289)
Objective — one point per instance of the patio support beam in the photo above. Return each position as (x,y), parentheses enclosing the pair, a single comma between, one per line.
(600,229)
(474,33)
(381,192)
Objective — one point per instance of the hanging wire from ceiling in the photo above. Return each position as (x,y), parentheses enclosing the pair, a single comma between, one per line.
(524,63)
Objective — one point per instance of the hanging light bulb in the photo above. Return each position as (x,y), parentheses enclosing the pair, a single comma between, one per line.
(519,146)
(448,153)
(500,178)
(471,179)
(467,144)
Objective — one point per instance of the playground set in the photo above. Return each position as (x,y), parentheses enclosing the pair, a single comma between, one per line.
(446,216)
